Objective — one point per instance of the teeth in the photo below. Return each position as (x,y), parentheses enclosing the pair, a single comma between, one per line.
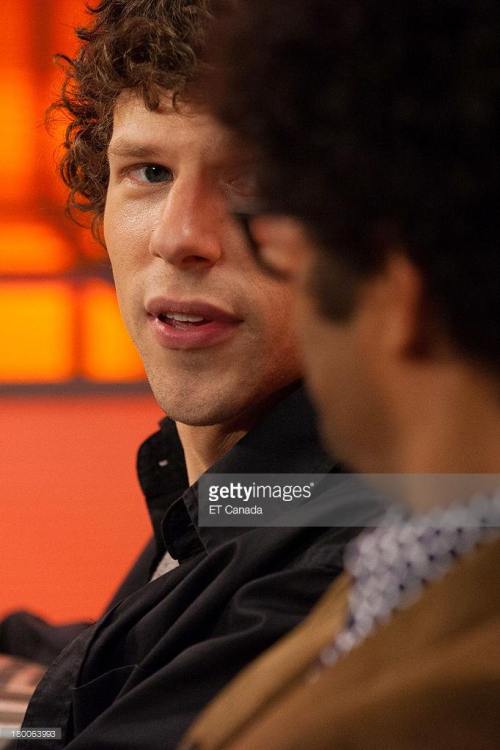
(184,318)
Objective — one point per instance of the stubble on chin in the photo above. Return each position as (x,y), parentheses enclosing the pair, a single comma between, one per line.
(195,401)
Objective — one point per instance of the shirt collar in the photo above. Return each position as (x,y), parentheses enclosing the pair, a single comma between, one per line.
(285,440)
(390,566)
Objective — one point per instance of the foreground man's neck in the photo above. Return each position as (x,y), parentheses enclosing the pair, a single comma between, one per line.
(457,431)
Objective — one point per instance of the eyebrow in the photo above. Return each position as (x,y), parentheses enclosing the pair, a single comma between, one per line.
(122,146)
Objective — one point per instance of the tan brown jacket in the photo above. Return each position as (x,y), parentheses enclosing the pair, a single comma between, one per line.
(428,680)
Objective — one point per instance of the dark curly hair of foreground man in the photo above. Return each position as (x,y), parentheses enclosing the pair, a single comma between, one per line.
(376,127)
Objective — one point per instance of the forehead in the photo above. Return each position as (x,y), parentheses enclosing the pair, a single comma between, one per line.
(184,131)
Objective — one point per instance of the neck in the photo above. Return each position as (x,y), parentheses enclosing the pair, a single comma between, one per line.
(204,446)
(454,430)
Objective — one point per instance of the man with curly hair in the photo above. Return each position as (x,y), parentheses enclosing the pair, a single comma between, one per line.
(157,175)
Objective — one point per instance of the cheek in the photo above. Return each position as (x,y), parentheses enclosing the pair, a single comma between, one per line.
(126,244)
(270,339)
(127,228)
(311,331)
(126,234)
(271,307)
(330,366)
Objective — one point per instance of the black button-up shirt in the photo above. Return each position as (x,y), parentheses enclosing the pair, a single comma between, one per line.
(140,675)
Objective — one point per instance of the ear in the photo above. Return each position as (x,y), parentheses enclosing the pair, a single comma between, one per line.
(392,305)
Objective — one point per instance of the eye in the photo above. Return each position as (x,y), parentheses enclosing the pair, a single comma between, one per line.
(151,174)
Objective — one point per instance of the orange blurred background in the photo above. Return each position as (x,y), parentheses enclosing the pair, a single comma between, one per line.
(74,404)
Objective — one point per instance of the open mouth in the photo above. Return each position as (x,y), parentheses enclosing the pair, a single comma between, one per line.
(190,325)
(182,322)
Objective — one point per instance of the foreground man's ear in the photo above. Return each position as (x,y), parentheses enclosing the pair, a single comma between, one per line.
(394,301)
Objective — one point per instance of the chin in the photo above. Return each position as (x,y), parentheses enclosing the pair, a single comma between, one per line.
(194,412)
(197,417)
(197,407)
(203,402)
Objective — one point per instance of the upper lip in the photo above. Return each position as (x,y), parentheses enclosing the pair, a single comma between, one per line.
(159,306)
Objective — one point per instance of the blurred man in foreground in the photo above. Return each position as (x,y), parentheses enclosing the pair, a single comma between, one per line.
(379,186)
(218,344)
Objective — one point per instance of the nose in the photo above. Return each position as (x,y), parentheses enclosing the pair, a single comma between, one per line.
(187,232)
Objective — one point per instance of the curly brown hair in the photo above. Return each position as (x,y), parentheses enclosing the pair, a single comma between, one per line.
(145,45)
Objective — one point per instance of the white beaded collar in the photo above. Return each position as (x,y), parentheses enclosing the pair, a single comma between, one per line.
(392,564)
